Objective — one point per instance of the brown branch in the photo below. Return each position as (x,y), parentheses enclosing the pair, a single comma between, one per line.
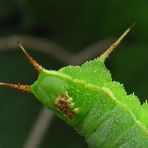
(39,129)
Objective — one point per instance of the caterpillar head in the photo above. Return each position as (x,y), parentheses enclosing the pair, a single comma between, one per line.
(47,86)
(51,84)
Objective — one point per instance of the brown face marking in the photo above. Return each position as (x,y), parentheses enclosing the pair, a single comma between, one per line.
(64,104)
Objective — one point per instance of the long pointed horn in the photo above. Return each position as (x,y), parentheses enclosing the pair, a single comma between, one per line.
(114,45)
(17,86)
(31,60)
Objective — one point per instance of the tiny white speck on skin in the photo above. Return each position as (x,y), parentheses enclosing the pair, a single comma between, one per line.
(76,110)
(72,105)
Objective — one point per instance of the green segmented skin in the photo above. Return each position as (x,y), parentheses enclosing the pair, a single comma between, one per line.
(97,107)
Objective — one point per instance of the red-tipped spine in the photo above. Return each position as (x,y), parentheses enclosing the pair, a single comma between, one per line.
(17,86)
(31,60)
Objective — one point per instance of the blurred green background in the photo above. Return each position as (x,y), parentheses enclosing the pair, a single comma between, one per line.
(73,26)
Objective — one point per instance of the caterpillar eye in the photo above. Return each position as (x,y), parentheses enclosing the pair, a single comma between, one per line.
(17,86)
(30,59)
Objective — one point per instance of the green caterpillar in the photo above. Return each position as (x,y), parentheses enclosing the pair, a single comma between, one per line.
(87,98)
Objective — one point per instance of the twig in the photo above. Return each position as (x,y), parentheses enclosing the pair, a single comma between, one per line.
(40,128)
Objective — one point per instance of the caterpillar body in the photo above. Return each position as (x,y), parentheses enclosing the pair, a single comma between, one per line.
(87,98)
